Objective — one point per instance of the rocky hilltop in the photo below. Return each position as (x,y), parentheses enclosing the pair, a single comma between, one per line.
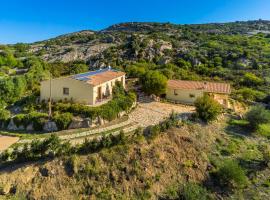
(136,41)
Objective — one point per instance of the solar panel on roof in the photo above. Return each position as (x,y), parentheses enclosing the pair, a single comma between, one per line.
(83,79)
(86,76)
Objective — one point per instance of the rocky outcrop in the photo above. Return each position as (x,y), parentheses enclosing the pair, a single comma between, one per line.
(101,121)
(154,98)
(12,126)
(87,123)
(76,123)
(121,114)
(20,128)
(30,127)
(50,126)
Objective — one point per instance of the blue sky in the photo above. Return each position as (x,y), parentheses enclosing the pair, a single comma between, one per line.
(34,20)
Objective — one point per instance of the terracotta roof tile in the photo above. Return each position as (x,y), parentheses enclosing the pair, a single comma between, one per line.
(104,77)
(200,85)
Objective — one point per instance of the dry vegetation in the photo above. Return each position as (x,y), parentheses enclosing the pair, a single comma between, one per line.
(147,168)
(131,171)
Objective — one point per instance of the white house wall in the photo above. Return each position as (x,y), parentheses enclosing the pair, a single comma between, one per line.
(183,96)
(79,91)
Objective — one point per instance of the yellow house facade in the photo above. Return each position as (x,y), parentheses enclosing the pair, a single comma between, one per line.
(187,92)
(87,88)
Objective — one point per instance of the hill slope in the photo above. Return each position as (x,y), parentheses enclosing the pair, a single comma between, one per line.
(140,170)
(145,169)
(148,41)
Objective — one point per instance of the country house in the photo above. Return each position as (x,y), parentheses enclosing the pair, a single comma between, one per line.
(188,91)
(89,88)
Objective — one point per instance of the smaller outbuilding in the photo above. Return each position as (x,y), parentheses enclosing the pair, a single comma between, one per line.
(187,92)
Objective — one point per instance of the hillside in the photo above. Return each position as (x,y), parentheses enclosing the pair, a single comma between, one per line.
(149,41)
(144,168)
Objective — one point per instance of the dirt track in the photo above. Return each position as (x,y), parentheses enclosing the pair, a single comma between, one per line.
(6,141)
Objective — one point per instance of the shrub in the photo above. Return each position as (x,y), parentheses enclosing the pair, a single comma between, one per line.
(121,101)
(252,80)
(20,120)
(265,150)
(5,156)
(4,114)
(193,191)
(154,83)
(37,149)
(230,174)
(264,130)
(135,72)
(266,99)
(91,168)
(62,120)
(154,130)
(171,193)
(38,119)
(207,109)
(257,115)
(118,89)
(249,94)
(73,164)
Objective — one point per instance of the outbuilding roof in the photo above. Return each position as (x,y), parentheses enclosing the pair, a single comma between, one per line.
(99,76)
(213,87)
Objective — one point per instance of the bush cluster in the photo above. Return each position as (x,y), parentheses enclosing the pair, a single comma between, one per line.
(155,130)
(249,94)
(38,119)
(108,111)
(193,191)
(154,82)
(257,116)
(53,147)
(37,149)
(207,109)
(4,116)
(231,175)
(105,142)
(62,120)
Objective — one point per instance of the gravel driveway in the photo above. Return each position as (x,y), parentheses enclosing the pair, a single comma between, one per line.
(150,112)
